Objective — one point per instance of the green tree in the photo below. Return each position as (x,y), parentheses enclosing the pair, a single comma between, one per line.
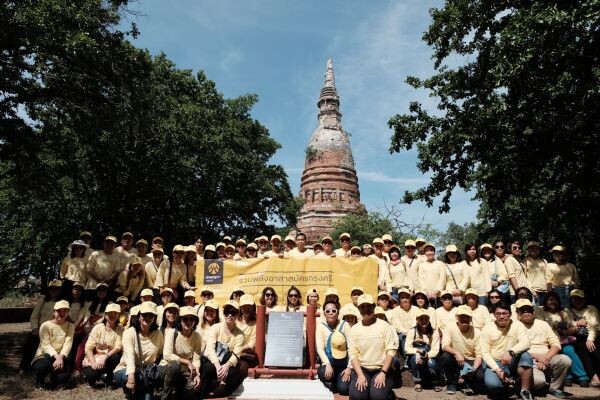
(460,235)
(516,120)
(100,135)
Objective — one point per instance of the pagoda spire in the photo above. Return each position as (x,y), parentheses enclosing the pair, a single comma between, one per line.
(329,101)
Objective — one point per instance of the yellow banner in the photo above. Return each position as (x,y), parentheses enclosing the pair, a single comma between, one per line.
(281,273)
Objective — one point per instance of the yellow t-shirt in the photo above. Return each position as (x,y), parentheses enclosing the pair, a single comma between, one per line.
(370,345)
(234,340)
(536,273)
(433,341)
(444,317)
(541,337)
(466,343)
(73,269)
(562,275)
(188,348)
(432,276)
(54,339)
(403,320)
(412,270)
(295,253)
(152,347)
(495,341)
(322,335)
(103,265)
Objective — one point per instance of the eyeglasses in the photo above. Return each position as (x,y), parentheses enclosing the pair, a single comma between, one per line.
(293,295)
(330,311)
(501,314)
(269,295)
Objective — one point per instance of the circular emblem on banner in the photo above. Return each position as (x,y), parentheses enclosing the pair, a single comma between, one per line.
(213,268)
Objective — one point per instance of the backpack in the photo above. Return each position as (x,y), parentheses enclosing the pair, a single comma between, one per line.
(335,362)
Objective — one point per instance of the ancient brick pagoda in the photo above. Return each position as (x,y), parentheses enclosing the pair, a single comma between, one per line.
(329,184)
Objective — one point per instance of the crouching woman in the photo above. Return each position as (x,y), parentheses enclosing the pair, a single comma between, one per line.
(372,346)
(137,372)
(181,358)
(221,375)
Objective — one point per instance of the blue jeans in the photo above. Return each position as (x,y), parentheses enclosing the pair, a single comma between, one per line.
(120,379)
(425,370)
(493,383)
(577,368)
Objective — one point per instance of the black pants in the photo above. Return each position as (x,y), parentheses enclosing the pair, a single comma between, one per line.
(337,384)
(371,393)
(29,348)
(177,384)
(210,383)
(43,367)
(451,369)
(93,375)
(590,360)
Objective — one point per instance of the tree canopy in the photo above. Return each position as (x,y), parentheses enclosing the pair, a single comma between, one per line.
(516,119)
(97,134)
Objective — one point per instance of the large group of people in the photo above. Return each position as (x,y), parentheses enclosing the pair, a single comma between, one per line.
(489,318)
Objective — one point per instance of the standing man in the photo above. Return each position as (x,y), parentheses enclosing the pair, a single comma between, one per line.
(344,251)
(288,243)
(535,267)
(87,239)
(387,244)
(199,243)
(103,266)
(276,250)
(301,251)
(544,349)
(411,262)
(327,243)
(504,344)
(263,244)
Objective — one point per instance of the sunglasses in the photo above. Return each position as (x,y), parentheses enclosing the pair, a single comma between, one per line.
(269,295)
(527,310)
(206,294)
(147,315)
(345,240)
(293,295)
(232,313)
(516,247)
(410,247)
(499,247)
(330,311)
(188,319)
(251,251)
(494,297)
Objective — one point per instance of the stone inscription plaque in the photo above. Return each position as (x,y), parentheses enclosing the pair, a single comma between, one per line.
(285,339)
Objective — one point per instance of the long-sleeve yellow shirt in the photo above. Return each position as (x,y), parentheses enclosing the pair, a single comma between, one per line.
(152,270)
(591,315)
(135,285)
(104,266)
(455,273)
(188,348)
(433,341)
(445,317)
(554,318)
(477,276)
(73,269)
(177,276)
(432,276)
(322,335)
(101,340)
(371,344)
(497,267)
(249,331)
(560,275)
(536,273)
(412,270)
(495,341)
(234,340)
(403,320)
(466,343)
(295,253)
(516,269)
(481,316)
(54,339)
(152,348)
(399,275)
(42,312)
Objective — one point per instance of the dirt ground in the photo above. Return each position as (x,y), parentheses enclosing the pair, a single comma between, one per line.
(15,387)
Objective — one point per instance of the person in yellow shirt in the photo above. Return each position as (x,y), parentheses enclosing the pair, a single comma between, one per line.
(355,253)
(421,301)
(157,262)
(143,345)
(535,266)
(422,347)
(455,271)
(397,270)
(561,276)
(327,245)
(497,269)
(446,314)
(56,338)
(221,374)
(247,324)
(103,266)
(476,274)
(173,275)
(276,250)
(103,347)
(481,314)
(301,251)
(411,261)
(384,281)
(587,321)
(331,339)
(432,275)
(503,344)
(180,365)
(544,349)
(344,251)
(371,350)
(403,319)
(72,268)
(460,355)
(515,266)
(131,281)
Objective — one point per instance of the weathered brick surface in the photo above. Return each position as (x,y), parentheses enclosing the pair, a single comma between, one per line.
(329,185)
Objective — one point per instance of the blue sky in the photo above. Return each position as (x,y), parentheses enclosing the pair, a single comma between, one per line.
(279,50)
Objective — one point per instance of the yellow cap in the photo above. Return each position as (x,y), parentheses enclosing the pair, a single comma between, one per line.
(212,303)
(345,234)
(230,247)
(210,247)
(445,293)
(333,291)
(577,293)
(186,311)
(383,293)
(55,283)
(387,236)
(451,249)
(135,260)
(189,293)
(206,289)
(141,241)
(349,309)
(232,303)
(127,234)
(421,313)
(471,291)
(253,246)
(420,240)
(220,244)
(112,307)
(339,346)
(327,239)
(126,300)
(403,290)
(227,238)
(275,237)
(533,244)
(247,300)
(312,290)
(379,310)
(262,238)
(166,290)
(158,249)
(357,288)
(365,299)
(101,284)
(172,305)
(486,246)
(191,248)
(178,248)
(426,245)
(289,238)
(419,291)
(147,307)
(377,241)
(410,242)
(240,241)
(62,304)
(464,310)
(237,289)
(354,248)
(110,238)
(558,248)
(146,292)
(523,303)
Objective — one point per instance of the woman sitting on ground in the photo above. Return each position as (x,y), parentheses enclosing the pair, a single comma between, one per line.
(210,316)
(103,347)
(56,338)
(145,335)
(422,347)
(181,357)
(221,375)
(587,321)
(331,342)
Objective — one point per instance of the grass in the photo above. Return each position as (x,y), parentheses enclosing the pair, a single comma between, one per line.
(13,299)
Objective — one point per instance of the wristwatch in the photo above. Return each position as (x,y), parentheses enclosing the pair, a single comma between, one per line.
(512,353)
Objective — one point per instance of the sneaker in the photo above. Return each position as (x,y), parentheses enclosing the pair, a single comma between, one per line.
(525,395)
(468,390)
(583,384)
(558,394)
(451,389)
(568,382)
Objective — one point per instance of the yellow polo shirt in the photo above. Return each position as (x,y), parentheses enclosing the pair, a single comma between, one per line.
(495,341)
(560,275)
(466,343)
(372,344)
(541,337)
